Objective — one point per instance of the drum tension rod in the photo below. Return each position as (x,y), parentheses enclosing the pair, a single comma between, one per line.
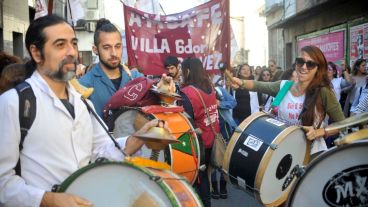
(241,187)
(297,171)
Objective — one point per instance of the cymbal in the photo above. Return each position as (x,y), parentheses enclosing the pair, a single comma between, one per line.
(167,97)
(356,119)
(166,93)
(157,138)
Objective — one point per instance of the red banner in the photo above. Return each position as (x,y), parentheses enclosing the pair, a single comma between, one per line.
(202,32)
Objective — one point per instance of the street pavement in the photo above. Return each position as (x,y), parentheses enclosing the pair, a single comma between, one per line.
(236,198)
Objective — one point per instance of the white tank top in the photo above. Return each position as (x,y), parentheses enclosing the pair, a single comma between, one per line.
(289,110)
(290,106)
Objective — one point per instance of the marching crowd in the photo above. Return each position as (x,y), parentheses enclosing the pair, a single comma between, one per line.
(63,137)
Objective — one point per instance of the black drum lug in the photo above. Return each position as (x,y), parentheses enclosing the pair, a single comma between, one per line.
(300,171)
(55,188)
(101,160)
(297,171)
(155,178)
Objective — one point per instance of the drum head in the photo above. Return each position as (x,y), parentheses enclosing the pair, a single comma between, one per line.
(117,184)
(337,177)
(277,166)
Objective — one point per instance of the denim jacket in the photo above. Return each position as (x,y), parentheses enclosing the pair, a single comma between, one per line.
(103,86)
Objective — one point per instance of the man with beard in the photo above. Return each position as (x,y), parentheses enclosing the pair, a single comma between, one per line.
(108,76)
(64,136)
(171,64)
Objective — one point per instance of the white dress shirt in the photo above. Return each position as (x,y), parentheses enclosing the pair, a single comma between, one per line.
(56,145)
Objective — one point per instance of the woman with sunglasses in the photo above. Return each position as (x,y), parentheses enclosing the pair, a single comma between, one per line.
(309,99)
(264,99)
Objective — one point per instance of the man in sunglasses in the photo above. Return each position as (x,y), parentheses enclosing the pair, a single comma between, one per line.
(275,73)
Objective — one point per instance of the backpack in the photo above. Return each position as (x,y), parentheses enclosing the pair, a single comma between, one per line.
(27,114)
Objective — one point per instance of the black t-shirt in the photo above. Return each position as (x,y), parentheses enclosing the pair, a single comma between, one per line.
(116,82)
(243,108)
(68,106)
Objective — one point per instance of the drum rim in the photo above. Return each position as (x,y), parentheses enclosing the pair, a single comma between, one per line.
(315,162)
(184,182)
(68,181)
(266,159)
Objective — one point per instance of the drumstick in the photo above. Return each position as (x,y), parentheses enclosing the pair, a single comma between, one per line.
(226,72)
(348,139)
(127,70)
(86,92)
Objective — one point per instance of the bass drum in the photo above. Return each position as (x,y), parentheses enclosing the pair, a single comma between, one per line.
(183,157)
(338,177)
(116,184)
(264,158)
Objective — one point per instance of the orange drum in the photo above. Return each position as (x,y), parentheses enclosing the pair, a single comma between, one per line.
(183,157)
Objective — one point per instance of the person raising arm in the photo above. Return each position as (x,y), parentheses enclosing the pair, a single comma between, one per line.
(309,99)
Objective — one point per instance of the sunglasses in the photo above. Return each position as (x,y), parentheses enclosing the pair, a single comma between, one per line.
(310,64)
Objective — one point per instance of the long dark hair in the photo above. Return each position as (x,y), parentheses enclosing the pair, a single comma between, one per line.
(356,65)
(238,74)
(312,93)
(334,68)
(194,73)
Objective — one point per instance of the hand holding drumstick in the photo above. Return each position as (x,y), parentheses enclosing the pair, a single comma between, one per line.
(235,83)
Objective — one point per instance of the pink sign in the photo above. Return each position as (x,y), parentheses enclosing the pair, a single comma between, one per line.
(331,44)
(202,32)
(358,42)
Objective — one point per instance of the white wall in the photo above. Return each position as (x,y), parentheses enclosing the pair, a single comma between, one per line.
(255,29)
(15,19)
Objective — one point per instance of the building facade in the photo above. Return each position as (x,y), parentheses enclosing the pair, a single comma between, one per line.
(328,24)
(14,20)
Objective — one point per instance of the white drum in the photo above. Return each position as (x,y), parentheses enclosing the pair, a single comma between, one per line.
(338,177)
(121,184)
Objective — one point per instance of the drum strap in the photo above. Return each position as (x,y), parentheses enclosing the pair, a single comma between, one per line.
(281,94)
(205,109)
(194,154)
